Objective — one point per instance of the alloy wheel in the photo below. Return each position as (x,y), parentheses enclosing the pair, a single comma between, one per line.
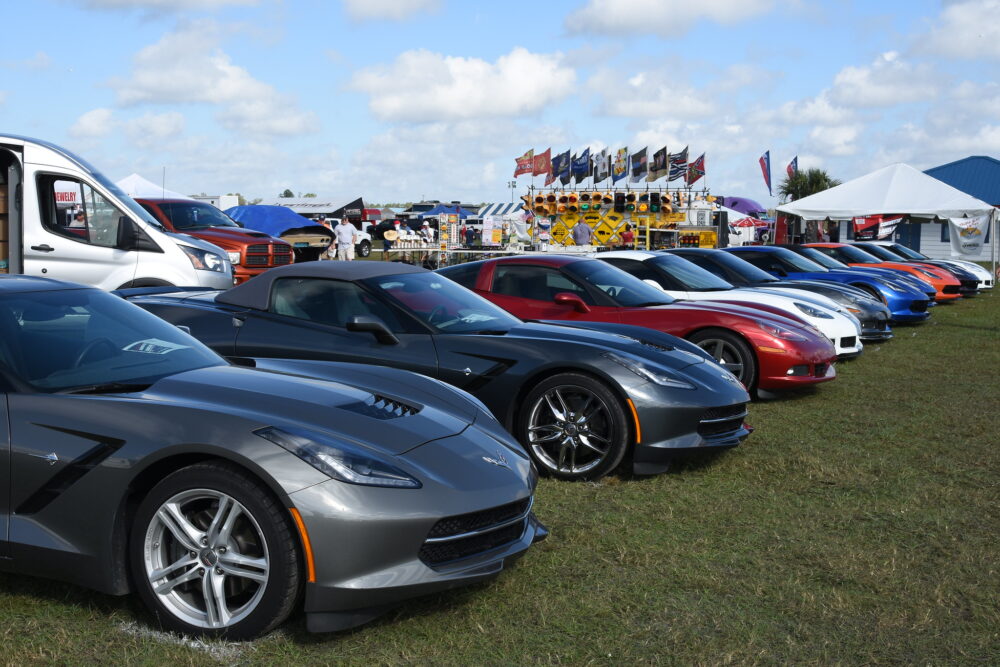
(570,430)
(726,354)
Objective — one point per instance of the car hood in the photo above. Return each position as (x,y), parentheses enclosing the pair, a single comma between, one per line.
(383,421)
(660,347)
(731,309)
(231,237)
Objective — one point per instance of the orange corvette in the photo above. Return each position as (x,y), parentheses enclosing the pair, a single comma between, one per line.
(945,284)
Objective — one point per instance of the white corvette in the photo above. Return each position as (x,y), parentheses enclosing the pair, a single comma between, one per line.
(682,279)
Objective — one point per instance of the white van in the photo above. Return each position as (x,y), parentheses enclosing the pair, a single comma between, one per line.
(61,218)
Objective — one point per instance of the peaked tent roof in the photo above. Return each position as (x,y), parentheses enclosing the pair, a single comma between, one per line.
(501,208)
(898,188)
(135,185)
(976,175)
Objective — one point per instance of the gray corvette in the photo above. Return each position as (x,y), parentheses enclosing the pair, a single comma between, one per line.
(134,459)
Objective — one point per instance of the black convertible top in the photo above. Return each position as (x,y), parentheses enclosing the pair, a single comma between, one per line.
(256,293)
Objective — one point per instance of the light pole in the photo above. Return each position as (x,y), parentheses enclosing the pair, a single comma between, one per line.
(513,186)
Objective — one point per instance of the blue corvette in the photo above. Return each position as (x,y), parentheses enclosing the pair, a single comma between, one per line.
(907,301)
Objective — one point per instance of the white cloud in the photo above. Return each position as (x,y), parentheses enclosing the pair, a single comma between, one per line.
(153,130)
(812,111)
(649,95)
(164,5)
(94,124)
(836,139)
(392,10)
(888,81)
(39,61)
(967,30)
(668,18)
(187,66)
(422,86)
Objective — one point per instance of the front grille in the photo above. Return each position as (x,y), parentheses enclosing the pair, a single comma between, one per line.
(258,248)
(848,341)
(918,306)
(437,553)
(970,284)
(256,260)
(951,289)
(476,521)
(382,407)
(821,370)
(726,419)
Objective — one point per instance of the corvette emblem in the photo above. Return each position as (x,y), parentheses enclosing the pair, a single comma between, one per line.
(500,460)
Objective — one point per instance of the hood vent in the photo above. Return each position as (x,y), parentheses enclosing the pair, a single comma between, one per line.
(382,407)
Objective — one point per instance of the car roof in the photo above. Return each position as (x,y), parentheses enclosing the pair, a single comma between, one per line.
(19,283)
(765,248)
(540,260)
(170,200)
(627,254)
(256,293)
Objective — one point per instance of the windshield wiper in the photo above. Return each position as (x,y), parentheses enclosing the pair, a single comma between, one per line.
(107,388)
(490,332)
(651,303)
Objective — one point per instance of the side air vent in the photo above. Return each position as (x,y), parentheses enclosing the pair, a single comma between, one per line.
(383,407)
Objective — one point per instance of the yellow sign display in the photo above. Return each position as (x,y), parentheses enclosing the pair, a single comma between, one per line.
(603,232)
(614,218)
(592,219)
(559,233)
(569,220)
(675,217)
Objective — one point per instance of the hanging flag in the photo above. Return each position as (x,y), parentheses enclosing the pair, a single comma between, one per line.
(561,167)
(765,169)
(678,165)
(793,167)
(581,166)
(660,166)
(620,167)
(696,169)
(602,166)
(639,163)
(967,235)
(525,163)
(542,164)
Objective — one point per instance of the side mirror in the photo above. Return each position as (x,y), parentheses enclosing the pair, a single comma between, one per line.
(374,326)
(570,299)
(128,234)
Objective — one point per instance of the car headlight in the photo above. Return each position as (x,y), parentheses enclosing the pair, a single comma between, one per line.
(339,464)
(813,312)
(234,257)
(655,374)
(203,260)
(925,272)
(779,331)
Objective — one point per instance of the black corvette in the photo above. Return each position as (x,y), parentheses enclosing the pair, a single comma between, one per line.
(579,397)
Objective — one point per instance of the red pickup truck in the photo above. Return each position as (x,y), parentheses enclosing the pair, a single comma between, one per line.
(250,252)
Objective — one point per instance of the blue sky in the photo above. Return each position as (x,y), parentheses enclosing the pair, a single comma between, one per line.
(402,99)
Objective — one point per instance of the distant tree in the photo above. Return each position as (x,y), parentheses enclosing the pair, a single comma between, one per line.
(255,201)
(309,194)
(287,194)
(240,199)
(804,183)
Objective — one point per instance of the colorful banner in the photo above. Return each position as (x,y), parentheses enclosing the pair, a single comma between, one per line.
(660,166)
(696,169)
(869,227)
(967,235)
(619,169)
(525,163)
(793,167)
(765,169)
(602,166)
(581,166)
(639,163)
(678,165)
(542,163)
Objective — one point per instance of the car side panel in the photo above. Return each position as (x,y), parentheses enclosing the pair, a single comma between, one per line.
(4,475)
(212,326)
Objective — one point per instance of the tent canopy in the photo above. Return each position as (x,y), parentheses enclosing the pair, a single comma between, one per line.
(898,188)
(136,186)
(273,220)
(447,209)
(501,208)
(742,204)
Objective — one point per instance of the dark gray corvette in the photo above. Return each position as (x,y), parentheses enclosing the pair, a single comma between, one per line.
(133,458)
(579,397)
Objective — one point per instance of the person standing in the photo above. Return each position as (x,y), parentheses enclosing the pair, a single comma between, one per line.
(582,234)
(346,237)
(628,237)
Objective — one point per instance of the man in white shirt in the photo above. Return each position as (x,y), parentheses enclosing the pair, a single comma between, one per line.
(345,236)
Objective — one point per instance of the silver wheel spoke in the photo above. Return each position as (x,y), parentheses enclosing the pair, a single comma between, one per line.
(586,443)
(561,416)
(169,585)
(178,525)
(215,598)
(580,419)
(227,527)
(213,529)
(236,565)
(156,575)
(562,404)
(563,447)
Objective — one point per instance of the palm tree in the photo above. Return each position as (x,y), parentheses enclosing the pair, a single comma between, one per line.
(804,183)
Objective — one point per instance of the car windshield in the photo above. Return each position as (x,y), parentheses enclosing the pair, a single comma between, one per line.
(68,339)
(908,253)
(799,262)
(690,276)
(195,215)
(743,268)
(820,258)
(855,255)
(624,289)
(442,304)
(881,253)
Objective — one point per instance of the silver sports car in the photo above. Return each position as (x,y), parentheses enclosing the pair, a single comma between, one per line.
(133,458)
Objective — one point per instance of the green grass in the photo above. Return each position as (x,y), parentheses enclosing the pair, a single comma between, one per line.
(860,523)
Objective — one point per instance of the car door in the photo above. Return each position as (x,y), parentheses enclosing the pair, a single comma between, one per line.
(4,476)
(528,291)
(308,319)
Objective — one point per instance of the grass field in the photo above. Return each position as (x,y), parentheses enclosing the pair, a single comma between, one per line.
(860,523)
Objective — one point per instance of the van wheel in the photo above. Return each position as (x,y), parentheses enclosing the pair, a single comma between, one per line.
(364,248)
(147,282)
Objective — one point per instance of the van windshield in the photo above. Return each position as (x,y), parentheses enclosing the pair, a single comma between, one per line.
(194,215)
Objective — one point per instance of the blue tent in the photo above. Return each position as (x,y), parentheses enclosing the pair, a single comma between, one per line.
(447,209)
(273,220)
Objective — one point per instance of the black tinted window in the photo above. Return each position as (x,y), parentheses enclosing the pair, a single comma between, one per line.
(330,302)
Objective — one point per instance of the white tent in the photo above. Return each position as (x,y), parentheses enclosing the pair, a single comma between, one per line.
(898,188)
(137,186)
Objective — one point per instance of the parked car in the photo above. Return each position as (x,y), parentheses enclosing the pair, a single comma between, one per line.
(969,282)
(984,276)
(580,399)
(764,350)
(681,279)
(250,252)
(138,460)
(114,243)
(946,286)
(738,271)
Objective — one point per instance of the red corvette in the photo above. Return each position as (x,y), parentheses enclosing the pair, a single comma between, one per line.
(947,286)
(762,349)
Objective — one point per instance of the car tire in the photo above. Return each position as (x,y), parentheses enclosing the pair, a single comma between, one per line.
(227,557)
(364,249)
(574,427)
(731,352)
